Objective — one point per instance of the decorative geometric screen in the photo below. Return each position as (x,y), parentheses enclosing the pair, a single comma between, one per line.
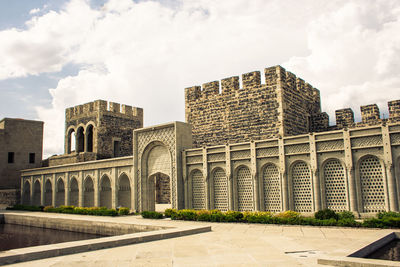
(220,190)
(372,186)
(301,181)
(272,189)
(198,194)
(335,186)
(244,189)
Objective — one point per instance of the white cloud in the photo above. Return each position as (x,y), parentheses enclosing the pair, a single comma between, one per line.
(146,53)
(34,11)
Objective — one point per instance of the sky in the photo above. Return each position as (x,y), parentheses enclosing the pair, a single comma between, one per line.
(56,54)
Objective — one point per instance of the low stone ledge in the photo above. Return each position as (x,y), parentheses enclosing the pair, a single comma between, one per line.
(60,249)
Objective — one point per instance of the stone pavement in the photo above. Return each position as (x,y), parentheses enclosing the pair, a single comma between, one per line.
(229,244)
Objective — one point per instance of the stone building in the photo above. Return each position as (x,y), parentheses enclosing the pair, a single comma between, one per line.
(20,148)
(261,147)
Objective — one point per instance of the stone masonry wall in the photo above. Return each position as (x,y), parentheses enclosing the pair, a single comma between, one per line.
(284,105)
(113,123)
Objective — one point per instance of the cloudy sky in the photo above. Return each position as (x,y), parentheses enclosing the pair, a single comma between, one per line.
(59,53)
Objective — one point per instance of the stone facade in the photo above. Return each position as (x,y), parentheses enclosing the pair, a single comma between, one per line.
(100,132)
(285,105)
(355,169)
(292,158)
(21,143)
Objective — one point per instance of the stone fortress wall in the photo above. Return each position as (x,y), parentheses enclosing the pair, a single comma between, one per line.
(285,105)
(356,169)
(274,151)
(102,130)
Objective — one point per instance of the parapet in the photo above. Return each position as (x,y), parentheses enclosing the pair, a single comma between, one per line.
(273,76)
(394,109)
(370,113)
(344,118)
(100,106)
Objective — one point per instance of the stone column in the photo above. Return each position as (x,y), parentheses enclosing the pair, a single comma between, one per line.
(314,172)
(31,196)
(42,191)
(205,179)
(392,197)
(96,185)
(54,193)
(67,189)
(81,189)
(254,172)
(283,174)
(229,177)
(348,157)
(114,188)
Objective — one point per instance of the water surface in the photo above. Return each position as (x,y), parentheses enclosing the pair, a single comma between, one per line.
(390,251)
(14,236)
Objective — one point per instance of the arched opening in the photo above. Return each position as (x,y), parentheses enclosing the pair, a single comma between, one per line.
(301,187)
(124,192)
(156,181)
(48,193)
(60,193)
(71,141)
(80,139)
(74,192)
(198,191)
(105,192)
(88,192)
(220,190)
(372,185)
(244,189)
(160,189)
(89,138)
(26,195)
(335,186)
(36,193)
(272,188)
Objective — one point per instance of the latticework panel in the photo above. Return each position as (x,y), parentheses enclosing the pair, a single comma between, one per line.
(335,186)
(272,189)
(269,151)
(301,148)
(244,190)
(198,192)
(195,159)
(372,185)
(367,141)
(244,154)
(220,190)
(301,182)
(216,157)
(395,138)
(330,145)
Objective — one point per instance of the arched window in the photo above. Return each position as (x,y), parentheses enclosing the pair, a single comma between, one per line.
(220,190)
(89,138)
(244,185)
(335,186)
(301,182)
(198,192)
(372,185)
(272,188)
(80,138)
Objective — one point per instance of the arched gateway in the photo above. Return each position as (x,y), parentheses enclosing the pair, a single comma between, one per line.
(158,166)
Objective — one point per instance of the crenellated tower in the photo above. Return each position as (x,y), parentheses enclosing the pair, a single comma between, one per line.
(284,105)
(98,130)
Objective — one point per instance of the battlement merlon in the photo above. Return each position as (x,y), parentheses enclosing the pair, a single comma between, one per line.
(102,106)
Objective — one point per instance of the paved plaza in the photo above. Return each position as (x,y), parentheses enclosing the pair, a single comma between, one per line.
(228,244)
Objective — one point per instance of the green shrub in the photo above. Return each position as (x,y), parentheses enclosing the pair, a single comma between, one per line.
(289,214)
(26,207)
(123,211)
(168,212)
(237,216)
(152,215)
(348,222)
(187,215)
(216,216)
(346,215)
(388,214)
(373,223)
(326,214)
(203,215)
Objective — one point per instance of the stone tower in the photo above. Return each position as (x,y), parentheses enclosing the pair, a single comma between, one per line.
(98,130)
